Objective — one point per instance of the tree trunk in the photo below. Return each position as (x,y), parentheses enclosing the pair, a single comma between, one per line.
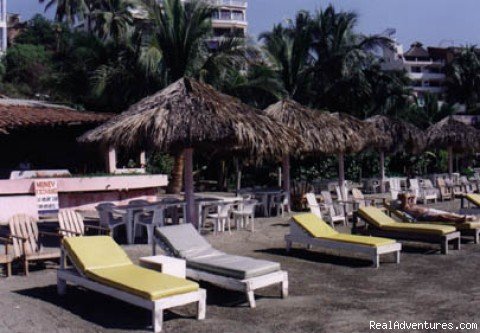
(175,184)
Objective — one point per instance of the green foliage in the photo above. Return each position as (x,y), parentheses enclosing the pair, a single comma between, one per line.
(29,64)
(160,164)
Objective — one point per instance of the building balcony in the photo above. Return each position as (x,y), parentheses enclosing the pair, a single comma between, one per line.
(427,76)
(221,23)
(229,3)
(417,62)
(431,90)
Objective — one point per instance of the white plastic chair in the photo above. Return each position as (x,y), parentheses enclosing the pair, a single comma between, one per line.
(149,218)
(279,202)
(221,218)
(110,217)
(245,215)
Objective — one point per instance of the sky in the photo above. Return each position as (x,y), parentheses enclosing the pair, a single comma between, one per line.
(433,22)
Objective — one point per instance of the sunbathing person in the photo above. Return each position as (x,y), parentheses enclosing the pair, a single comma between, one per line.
(420,213)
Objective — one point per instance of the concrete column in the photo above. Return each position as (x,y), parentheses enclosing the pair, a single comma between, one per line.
(450,160)
(143,159)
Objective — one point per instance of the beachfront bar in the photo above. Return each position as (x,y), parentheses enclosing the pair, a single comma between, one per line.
(42,137)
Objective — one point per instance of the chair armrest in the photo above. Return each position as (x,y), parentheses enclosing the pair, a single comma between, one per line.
(70,231)
(23,239)
(96,227)
(48,233)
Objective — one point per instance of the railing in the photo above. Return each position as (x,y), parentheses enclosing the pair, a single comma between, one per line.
(232,3)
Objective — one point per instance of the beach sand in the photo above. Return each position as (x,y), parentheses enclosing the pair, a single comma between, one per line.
(327,293)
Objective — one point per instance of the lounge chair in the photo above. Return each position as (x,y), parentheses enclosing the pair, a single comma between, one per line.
(72,224)
(466,229)
(311,230)
(380,224)
(27,241)
(445,192)
(6,258)
(423,194)
(471,199)
(204,263)
(101,265)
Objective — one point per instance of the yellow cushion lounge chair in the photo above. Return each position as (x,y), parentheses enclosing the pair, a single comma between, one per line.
(472,199)
(466,229)
(101,265)
(380,224)
(311,230)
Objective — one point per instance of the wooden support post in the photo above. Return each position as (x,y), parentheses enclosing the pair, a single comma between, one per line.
(382,171)
(450,160)
(341,175)
(238,172)
(189,196)
(286,178)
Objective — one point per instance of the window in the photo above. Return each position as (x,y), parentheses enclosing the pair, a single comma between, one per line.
(238,15)
(225,15)
(416,69)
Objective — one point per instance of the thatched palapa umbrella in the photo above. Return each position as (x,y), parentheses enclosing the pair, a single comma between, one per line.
(188,115)
(320,132)
(455,136)
(366,136)
(401,136)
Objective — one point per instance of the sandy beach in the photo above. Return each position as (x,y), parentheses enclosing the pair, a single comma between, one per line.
(327,293)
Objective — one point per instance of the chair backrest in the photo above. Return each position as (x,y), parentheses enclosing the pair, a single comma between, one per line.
(357,195)
(182,240)
(395,184)
(24,226)
(414,184)
(313,204)
(327,198)
(441,182)
(427,183)
(224,209)
(70,220)
(105,213)
(248,206)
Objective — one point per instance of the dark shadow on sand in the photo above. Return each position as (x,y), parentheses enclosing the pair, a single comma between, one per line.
(99,309)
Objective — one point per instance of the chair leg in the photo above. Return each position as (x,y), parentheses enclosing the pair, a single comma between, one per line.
(9,269)
(202,306)
(157,319)
(25,266)
(285,286)
(150,234)
(251,298)
(252,221)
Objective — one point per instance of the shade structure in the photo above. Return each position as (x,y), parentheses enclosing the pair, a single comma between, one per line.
(319,131)
(370,137)
(454,136)
(401,136)
(190,115)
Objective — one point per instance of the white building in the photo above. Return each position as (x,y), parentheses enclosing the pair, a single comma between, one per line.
(3,26)
(230,17)
(424,67)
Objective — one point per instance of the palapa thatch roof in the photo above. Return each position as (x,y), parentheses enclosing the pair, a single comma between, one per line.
(26,114)
(367,135)
(455,134)
(320,132)
(402,135)
(192,114)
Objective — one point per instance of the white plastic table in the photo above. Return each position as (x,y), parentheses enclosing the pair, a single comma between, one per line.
(168,265)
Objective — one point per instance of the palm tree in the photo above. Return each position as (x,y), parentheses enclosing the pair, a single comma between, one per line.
(287,50)
(174,38)
(68,11)
(113,18)
(463,78)
(341,58)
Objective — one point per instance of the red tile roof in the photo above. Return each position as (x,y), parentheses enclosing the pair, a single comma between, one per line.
(25,114)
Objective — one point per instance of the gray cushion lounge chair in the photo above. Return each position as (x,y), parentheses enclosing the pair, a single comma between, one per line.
(208,264)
